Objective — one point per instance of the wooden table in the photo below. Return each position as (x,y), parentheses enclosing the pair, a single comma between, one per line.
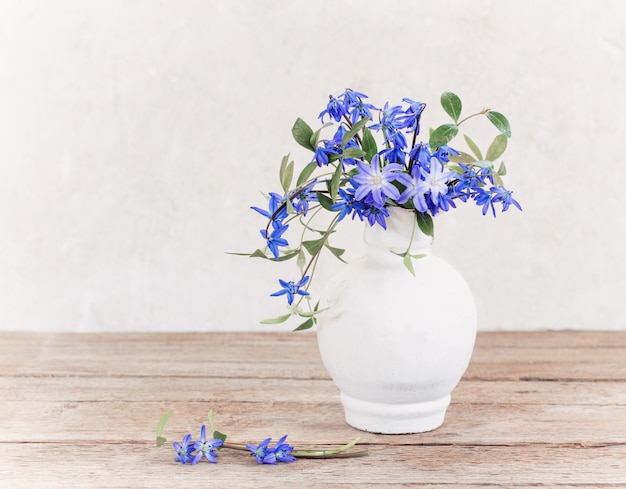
(80,411)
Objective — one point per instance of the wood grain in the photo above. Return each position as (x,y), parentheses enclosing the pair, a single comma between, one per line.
(80,410)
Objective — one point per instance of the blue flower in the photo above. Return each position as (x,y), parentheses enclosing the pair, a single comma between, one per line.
(375,182)
(501,194)
(275,239)
(274,203)
(337,143)
(428,188)
(292,289)
(302,198)
(282,451)
(395,153)
(207,447)
(352,97)
(347,205)
(411,118)
(421,154)
(184,452)
(389,120)
(336,109)
(483,198)
(262,452)
(266,455)
(357,109)
(437,179)
(322,153)
(470,180)
(444,203)
(277,212)
(443,153)
(413,185)
(376,215)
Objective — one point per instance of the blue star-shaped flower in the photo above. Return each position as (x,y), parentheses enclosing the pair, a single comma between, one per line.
(184,452)
(291,289)
(275,239)
(262,452)
(282,451)
(207,447)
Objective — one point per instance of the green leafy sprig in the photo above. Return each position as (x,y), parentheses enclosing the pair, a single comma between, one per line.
(342,451)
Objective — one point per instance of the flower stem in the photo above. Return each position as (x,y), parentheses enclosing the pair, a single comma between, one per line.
(340,452)
(331,453)
(482,112)
(326,235)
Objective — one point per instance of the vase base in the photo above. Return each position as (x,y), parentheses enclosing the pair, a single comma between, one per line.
(392,418)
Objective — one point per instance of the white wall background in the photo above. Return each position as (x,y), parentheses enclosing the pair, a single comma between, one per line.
(135,134)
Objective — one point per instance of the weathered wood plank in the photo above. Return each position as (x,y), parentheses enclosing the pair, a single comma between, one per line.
(552,340)
(271,355)
(137,465)
(320,422)
(139,389)
(491,339)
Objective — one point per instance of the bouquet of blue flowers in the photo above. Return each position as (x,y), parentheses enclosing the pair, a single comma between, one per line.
(349,175)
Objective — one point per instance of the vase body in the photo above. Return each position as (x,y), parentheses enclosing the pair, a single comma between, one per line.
(395,344)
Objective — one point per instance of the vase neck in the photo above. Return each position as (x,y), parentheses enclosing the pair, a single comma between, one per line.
(402,230)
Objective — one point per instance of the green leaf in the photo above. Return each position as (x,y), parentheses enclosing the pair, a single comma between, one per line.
(286,174)
(219,436)
(497,147)
(353,131)
(308,324)
(462,158)
(334,183)
(501,122)
(442,135)
(283,164)
(484,164)
(314,245)
(306,314)
(289,206)
(160,425)
(497,178)
(369,144)
(316,135)
(214,432)
(301,261)
(260,254)
(352,153)
(241,254)
(451,103)
(276,320)
(302,133)
(473,147)
(306,172)
(408,263)
(333,157)
(425,223)
(456,168)
(325,201)
(338,252)
(211,423)
(286,256)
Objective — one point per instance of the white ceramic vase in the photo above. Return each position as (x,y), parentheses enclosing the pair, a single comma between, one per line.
(395,344)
